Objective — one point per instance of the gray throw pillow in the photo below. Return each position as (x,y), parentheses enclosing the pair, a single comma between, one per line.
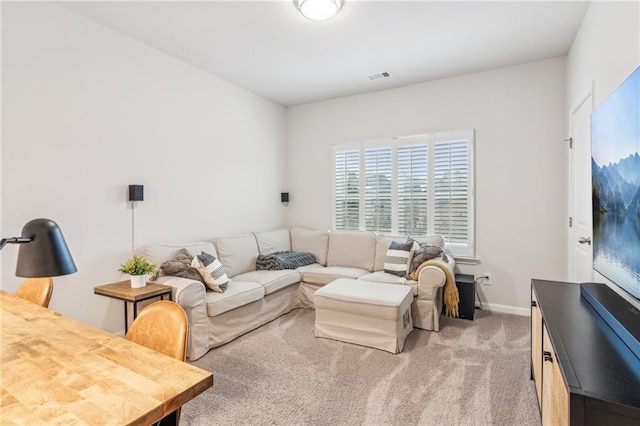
(180,266)
(426,252)
(399,257)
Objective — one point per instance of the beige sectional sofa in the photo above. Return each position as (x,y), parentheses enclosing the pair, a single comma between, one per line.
(255,297)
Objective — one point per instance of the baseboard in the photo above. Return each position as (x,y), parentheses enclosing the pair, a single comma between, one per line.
(507,309)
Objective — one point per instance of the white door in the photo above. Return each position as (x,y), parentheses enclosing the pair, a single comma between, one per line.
(581,228)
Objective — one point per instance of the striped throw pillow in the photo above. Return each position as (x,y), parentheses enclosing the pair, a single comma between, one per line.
(211,271)
(399,257)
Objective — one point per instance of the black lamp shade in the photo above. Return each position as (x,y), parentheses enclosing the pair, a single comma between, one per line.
(47,255)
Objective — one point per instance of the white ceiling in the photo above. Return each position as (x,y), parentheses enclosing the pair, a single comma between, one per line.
(267,47)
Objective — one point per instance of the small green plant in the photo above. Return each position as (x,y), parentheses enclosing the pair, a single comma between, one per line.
(137,265)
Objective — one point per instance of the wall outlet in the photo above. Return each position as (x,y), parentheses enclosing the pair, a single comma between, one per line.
(487,280)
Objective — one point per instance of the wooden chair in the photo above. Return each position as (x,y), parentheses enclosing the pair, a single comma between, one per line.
(37,290)
(163,327)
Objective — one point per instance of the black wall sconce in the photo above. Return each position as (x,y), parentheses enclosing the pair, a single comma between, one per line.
(136,193)
(284,198)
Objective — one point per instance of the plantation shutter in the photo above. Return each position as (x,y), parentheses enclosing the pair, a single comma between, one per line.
(347,190)
(377,190)
(413,185)
(413,207)
(451,190)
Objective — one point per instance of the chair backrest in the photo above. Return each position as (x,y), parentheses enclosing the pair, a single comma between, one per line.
(163,327)
(37,290)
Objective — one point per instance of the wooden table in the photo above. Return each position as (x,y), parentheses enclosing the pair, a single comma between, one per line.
(123,291)
(58,370)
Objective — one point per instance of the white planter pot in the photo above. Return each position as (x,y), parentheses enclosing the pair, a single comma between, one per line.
(138,281)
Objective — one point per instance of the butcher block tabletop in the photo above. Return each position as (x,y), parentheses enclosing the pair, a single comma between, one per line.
(58,370)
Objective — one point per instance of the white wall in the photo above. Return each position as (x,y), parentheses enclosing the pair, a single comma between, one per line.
(79,102)
(605,52)
(86,112)
(519,116)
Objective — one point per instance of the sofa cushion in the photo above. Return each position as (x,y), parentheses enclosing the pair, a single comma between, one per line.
(159,253)
(399,257)
(237,254)
(238,293)
(273,241)
(271,280)
(307,268)
(311,241)
(383,277)
(353,249)
(322,275)
(382,245)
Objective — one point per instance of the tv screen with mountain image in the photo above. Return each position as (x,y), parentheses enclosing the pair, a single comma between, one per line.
(615,170)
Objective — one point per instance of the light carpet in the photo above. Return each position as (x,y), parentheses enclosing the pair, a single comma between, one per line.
(470,373)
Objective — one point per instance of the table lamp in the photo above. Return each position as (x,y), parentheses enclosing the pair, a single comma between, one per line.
(43,250)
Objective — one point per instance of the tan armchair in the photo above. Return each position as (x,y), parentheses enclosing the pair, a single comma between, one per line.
(37,290)
(163,327)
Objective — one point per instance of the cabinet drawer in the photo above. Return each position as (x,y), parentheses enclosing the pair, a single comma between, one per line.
(555,397)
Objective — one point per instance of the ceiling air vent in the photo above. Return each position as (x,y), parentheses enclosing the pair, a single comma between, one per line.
(379,75)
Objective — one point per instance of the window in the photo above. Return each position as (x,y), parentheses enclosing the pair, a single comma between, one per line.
(347,189)
(416,185)
(377,189)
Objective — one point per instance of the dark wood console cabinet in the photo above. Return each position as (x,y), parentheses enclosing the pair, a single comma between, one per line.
(584,373)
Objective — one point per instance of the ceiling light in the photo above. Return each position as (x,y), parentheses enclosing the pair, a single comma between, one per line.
(319,10)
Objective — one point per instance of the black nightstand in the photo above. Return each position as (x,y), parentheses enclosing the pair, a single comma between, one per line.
(467,290)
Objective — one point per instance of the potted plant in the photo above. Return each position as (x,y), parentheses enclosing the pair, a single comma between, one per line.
(138,268)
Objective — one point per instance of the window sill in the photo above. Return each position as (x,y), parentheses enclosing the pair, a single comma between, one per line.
(466,260)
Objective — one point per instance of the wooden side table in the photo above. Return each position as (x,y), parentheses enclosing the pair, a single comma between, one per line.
(122,291)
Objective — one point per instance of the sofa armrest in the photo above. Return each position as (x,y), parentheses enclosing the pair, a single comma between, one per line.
(431,278)
(191,295)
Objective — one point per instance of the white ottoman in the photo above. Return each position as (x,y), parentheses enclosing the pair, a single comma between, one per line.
(365,313)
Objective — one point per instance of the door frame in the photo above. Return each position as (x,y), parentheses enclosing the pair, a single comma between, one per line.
(586,94)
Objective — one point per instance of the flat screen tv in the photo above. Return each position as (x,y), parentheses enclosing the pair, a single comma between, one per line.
(615,172)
